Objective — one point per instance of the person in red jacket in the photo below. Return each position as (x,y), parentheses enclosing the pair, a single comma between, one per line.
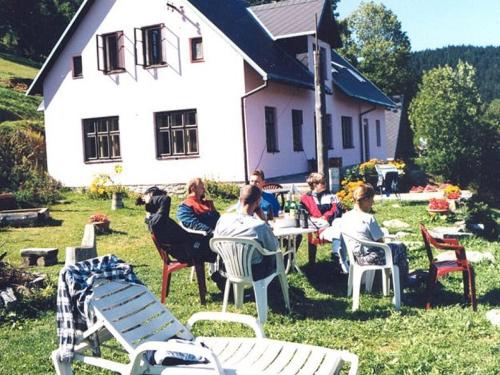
(324,207)
(320,202)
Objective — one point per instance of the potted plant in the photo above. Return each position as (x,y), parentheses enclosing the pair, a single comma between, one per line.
(438,205)
(118,190)
(101,222)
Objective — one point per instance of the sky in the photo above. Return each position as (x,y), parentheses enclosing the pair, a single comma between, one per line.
(434,24)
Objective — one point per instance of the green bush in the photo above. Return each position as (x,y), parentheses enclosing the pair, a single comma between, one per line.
(23,165)
(35,187)
(222,190)
(478,212)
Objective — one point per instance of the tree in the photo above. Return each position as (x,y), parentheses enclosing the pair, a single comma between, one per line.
(445,116)
(489,139)
(376,45)
(24,21)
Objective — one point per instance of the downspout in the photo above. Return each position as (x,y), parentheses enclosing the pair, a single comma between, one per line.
(243,123)
(361,114)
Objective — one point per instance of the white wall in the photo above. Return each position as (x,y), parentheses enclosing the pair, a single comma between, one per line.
(213,87)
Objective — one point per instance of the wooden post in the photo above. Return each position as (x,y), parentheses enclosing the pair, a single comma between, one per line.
(319,99)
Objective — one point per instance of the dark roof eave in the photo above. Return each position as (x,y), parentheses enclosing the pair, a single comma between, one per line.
(292,82)
(390,105)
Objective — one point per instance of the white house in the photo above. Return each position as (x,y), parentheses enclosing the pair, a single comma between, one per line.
(184,88)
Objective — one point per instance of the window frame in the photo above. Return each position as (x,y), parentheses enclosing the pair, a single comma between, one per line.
(147,44)
(297,130)
(270,128)
(104,48)
(192,42)
(97,135)
(347,132)
(73,69)
(378,133)
(171,128)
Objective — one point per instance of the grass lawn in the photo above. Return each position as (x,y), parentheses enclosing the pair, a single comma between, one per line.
(449,339)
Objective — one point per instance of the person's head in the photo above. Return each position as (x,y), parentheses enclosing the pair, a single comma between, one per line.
(196,188)
(316,182)
(363,197)
(250,198)
(150,192)
(257,178)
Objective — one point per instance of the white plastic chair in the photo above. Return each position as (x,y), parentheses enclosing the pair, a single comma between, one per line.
(236,253)
(356,272)
(135,318)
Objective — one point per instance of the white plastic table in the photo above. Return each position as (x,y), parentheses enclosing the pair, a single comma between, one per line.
(290,234)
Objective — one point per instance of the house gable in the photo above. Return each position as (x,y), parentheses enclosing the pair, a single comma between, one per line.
(233,20)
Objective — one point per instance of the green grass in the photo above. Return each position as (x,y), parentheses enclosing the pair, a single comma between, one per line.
(15,66)
(448,339)
(15,105)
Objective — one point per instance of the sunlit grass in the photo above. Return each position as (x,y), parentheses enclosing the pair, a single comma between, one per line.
(448,339)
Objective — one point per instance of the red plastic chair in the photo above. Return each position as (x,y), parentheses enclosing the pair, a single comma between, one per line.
(170,265)
(438,269)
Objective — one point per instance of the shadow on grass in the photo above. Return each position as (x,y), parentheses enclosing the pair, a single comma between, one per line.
(51,222)
(323,277)
(492,298)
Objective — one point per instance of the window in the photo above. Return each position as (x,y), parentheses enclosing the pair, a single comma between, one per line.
(271,136)
(196,49)
(77,67)
(377,130)
(347,139)
(152,46)
(176,133)
(110,52)
(297,121)
(101,139)
(328,131)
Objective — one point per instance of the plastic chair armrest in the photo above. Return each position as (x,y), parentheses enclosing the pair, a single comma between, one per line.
(247,320)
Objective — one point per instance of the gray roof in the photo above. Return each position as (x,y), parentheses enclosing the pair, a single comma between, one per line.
(236,23)
(276,16)
(352,83)
(290,18)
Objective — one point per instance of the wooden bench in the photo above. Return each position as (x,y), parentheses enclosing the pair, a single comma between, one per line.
(38,256)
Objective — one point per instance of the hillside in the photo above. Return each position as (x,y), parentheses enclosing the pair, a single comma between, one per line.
(16,75)
(486,60)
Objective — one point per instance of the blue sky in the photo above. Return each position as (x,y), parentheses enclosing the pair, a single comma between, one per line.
(440,23)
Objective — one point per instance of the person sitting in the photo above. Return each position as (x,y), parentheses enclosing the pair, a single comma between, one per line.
(191,247)
(359,223)
(196,212)
(324,207)
(244,224)
(320,202)
(269,205)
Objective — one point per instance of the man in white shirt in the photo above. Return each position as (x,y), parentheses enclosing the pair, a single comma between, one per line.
(244,224)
